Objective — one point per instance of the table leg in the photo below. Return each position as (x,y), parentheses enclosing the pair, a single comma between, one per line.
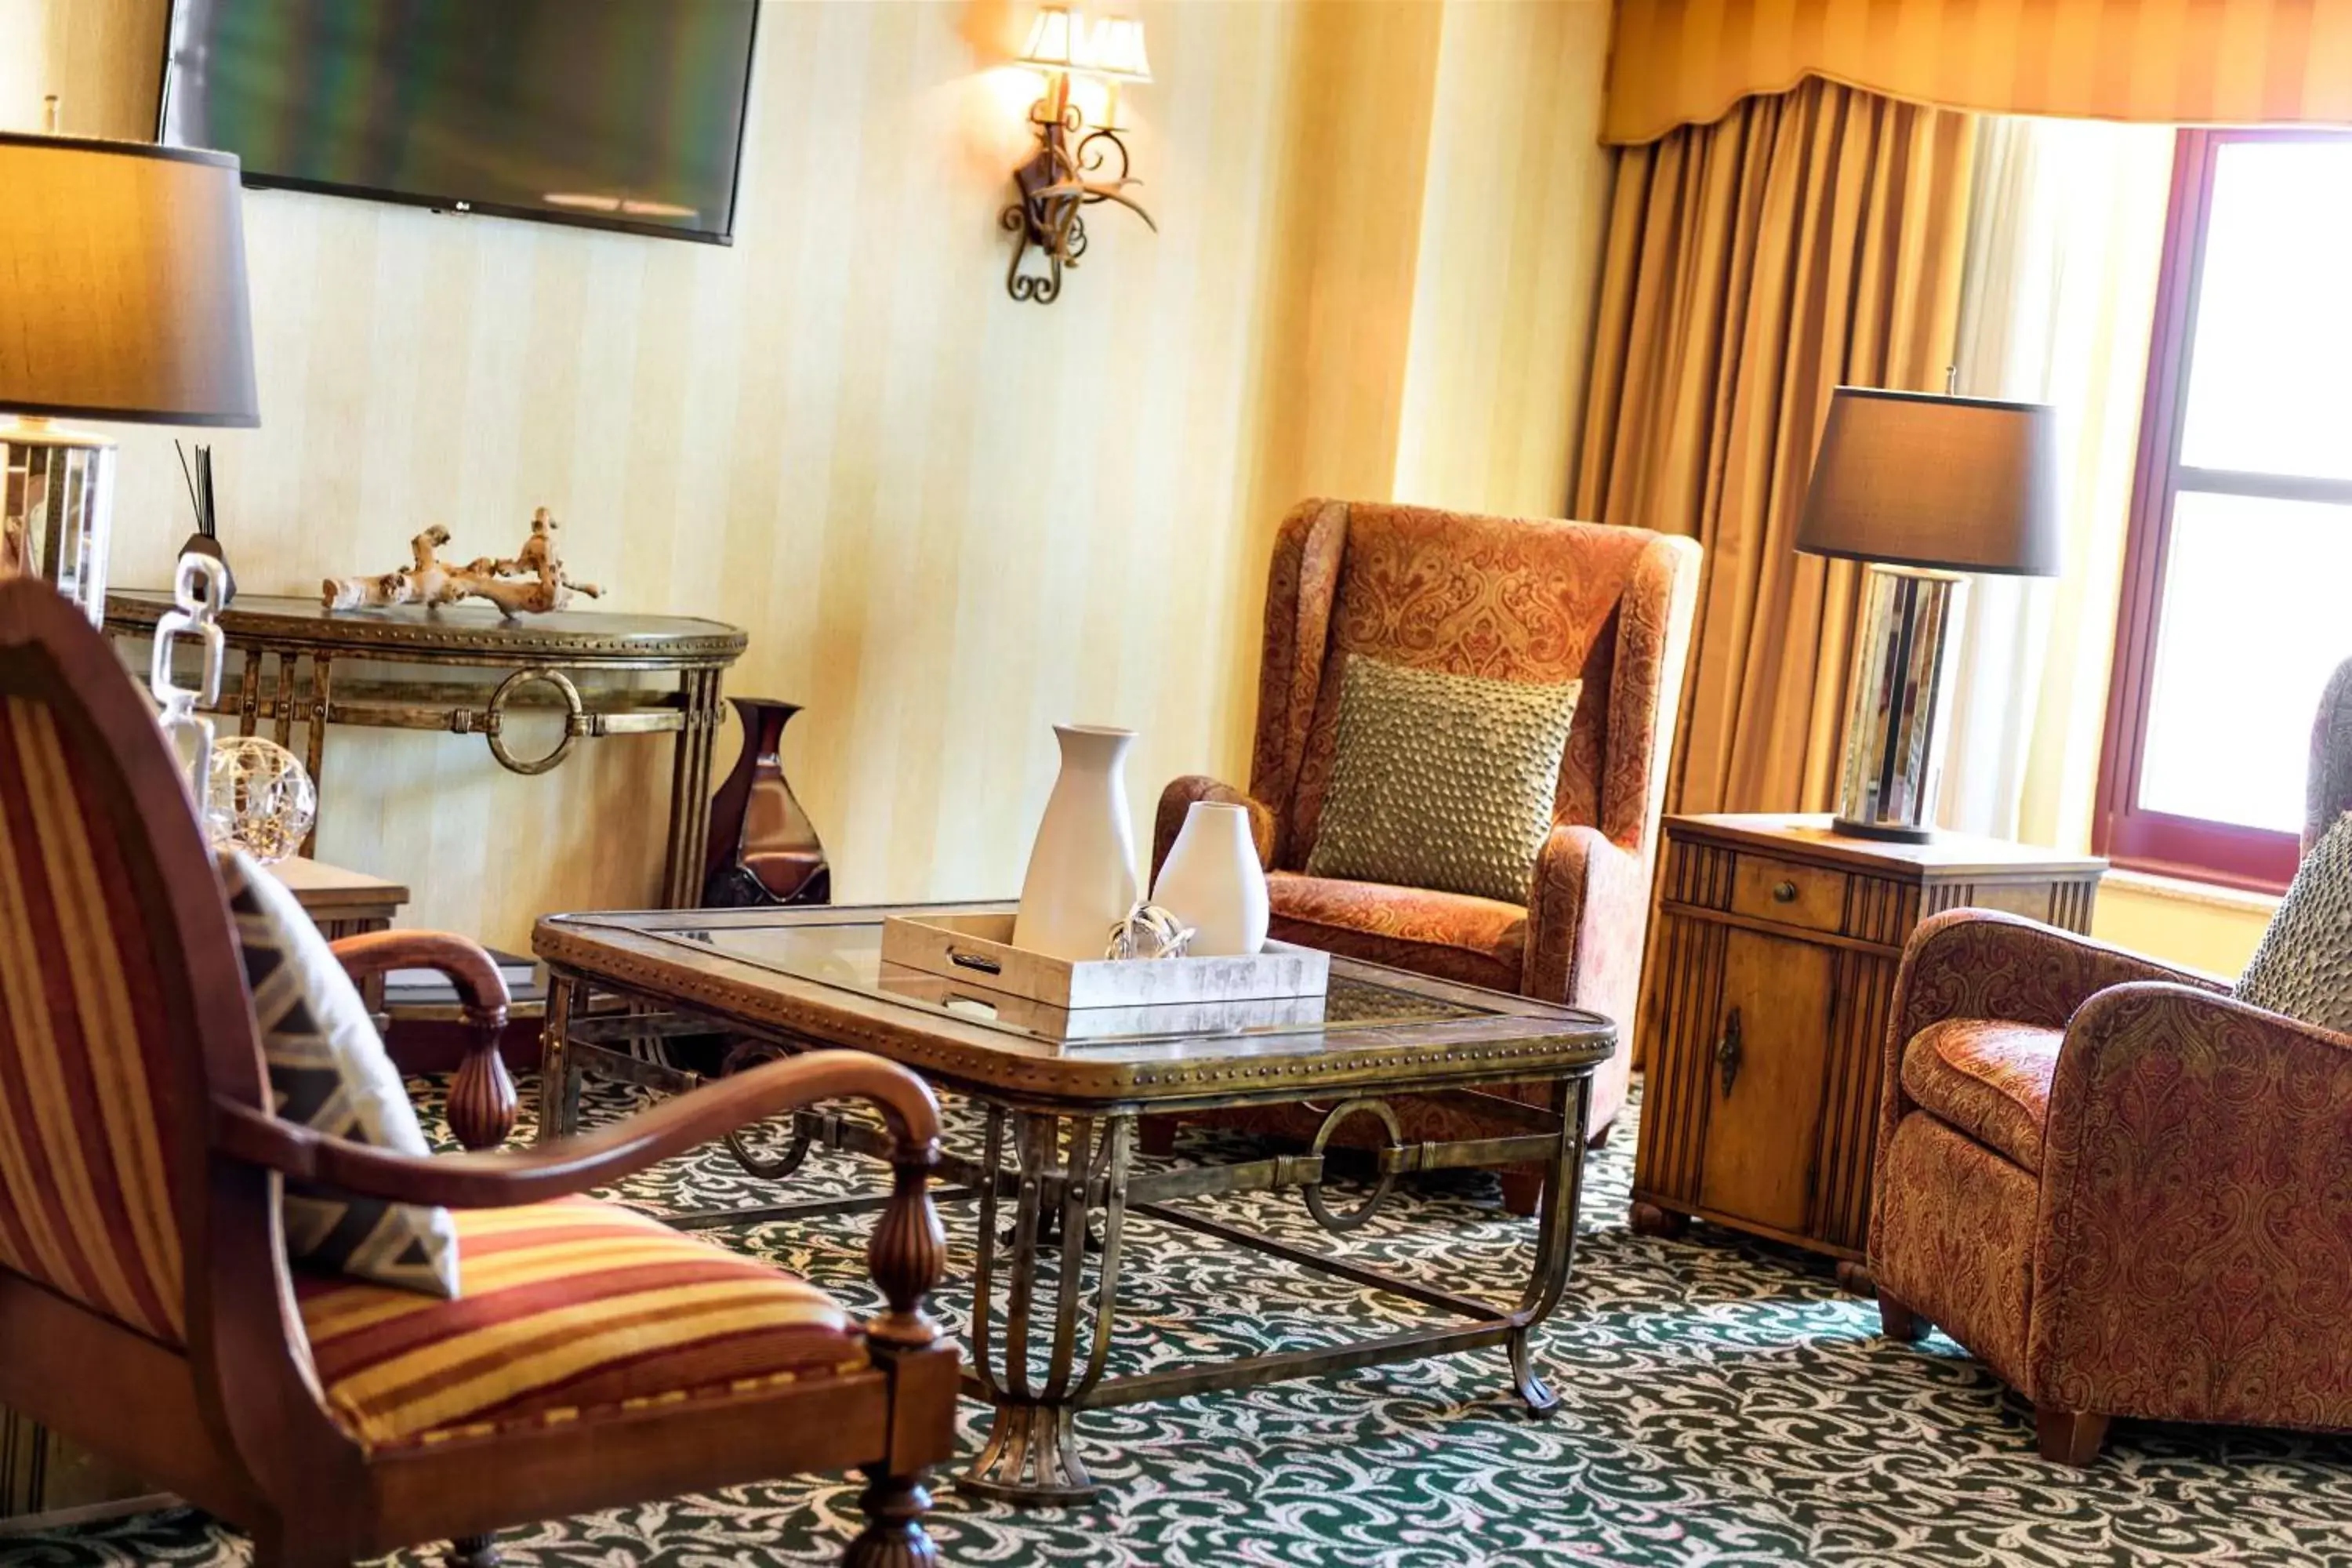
(1031,1454)
(1563,1194)
(689,789)
(559,1076)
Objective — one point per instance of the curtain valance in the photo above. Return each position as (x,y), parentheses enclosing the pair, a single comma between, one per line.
(1686,62)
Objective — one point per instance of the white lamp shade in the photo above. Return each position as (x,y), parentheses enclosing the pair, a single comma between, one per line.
(1117,50)
(1049,40)
(124,292)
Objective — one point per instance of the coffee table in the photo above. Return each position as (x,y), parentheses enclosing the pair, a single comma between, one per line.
(1060,1132)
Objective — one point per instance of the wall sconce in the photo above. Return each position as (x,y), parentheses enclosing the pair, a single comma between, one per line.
(1070,169)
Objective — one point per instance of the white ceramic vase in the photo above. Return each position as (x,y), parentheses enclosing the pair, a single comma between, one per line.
(1081,877)
(1213,883)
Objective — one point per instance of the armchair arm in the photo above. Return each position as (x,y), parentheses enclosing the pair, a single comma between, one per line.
(1978,963)
(1178,798)
(907,1251)
(482,1102)
(1585,918)
(2192,1259)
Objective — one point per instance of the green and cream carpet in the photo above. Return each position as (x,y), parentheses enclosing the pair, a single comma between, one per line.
(1723,1404)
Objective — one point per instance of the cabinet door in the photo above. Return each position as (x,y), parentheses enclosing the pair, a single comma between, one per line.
(1764,1082)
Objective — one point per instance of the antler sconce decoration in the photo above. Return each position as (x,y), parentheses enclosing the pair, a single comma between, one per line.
(1071,168)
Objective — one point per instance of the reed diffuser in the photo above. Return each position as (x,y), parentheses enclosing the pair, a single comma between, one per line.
(206,540)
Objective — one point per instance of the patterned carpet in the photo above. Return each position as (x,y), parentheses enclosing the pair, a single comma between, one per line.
(1723,1404)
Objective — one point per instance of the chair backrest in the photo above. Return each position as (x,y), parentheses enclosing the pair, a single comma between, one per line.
(1507,598)
(108,903)
(2329,792)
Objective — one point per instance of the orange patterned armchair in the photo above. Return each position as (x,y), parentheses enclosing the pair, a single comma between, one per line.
(1506,598)
(2122,1191)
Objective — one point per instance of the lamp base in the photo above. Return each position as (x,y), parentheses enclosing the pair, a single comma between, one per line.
(57,509)
(1881,831)
(1898,716)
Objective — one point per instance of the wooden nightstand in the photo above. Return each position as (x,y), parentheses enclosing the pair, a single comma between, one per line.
(1764,1011)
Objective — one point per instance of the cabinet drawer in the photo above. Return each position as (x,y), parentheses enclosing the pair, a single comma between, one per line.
(1786,893)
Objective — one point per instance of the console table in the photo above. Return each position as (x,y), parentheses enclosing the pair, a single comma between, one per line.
(462,669)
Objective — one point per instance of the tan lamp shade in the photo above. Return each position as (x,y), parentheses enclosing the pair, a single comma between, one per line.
(122,291)
(1960,484)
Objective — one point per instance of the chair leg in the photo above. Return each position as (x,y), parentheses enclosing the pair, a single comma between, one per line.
(1523,1188)
(1899,1321)
(2069,1436)
(1600,1139)
(473,1551)
(894,1536)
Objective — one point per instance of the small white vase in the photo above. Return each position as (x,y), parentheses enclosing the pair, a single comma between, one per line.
(1213,883)
(1081,877)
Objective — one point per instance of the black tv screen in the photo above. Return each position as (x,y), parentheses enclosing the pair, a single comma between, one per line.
(621,113)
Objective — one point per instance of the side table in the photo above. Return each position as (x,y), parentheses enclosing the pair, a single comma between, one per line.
(1765,995)
(344,903)
(462,669)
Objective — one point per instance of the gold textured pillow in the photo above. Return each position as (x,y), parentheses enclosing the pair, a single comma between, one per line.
(1442,781)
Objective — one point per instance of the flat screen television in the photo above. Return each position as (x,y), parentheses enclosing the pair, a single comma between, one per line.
(617,113)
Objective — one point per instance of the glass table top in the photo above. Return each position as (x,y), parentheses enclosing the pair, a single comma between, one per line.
(846,955)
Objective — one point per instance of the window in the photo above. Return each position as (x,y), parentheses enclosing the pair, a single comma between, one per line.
(2238,577)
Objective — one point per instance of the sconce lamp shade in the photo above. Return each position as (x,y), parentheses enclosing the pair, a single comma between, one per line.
(124,294)
(1958,484)
(1050,39)
(1118,50)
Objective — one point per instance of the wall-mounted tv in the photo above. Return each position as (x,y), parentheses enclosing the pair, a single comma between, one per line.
(618,113)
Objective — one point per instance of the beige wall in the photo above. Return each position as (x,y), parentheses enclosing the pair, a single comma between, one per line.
(946,520)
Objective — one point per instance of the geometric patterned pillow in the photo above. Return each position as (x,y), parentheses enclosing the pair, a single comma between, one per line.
(2303,967)
(328,1070)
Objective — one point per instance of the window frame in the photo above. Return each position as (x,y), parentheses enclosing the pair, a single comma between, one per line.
(2230,854)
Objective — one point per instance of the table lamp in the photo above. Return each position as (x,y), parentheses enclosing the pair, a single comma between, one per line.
(122,297)
(1923,490)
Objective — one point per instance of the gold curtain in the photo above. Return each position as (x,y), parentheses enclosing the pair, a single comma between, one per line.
(1806,240)
(1686,62)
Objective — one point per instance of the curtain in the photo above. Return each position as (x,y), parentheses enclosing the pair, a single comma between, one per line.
(2246,62)
(2066,233)
(1805,240)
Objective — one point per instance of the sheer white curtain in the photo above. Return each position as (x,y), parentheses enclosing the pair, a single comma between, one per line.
(2066,228)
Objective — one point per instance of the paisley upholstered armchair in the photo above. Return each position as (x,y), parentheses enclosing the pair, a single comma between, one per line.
(2124,1192)
(1506,598)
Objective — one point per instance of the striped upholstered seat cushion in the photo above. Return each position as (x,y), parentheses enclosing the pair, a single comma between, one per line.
(571,1310)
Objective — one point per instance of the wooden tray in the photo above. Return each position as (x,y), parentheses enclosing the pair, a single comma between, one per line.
(978,949)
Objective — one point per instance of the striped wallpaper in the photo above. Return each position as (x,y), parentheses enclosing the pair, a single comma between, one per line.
(1678,62)
(947,520)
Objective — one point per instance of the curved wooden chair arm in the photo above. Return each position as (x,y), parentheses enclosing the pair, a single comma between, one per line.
(481,989)
(483,1104)
(907,1252)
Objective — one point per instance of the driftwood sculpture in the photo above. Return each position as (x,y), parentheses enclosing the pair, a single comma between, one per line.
(531,583)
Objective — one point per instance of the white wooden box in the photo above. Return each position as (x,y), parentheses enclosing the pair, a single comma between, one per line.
(978,951)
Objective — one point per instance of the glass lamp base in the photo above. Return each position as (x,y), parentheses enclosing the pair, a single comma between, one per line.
(1898,713)
(57,509)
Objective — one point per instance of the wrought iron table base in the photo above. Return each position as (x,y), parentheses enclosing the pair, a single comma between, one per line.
(1069,1182)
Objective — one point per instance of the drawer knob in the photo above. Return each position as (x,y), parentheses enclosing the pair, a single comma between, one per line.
(1784,892)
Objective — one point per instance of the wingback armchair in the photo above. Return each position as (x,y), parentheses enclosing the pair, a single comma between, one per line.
(1506,598)
(148,1312)
(2122,1191)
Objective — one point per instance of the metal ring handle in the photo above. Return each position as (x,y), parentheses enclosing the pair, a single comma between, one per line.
(575,711)
(1339,1224)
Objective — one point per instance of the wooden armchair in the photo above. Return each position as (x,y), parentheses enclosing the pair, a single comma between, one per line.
(2120,1188)
(147,1310)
